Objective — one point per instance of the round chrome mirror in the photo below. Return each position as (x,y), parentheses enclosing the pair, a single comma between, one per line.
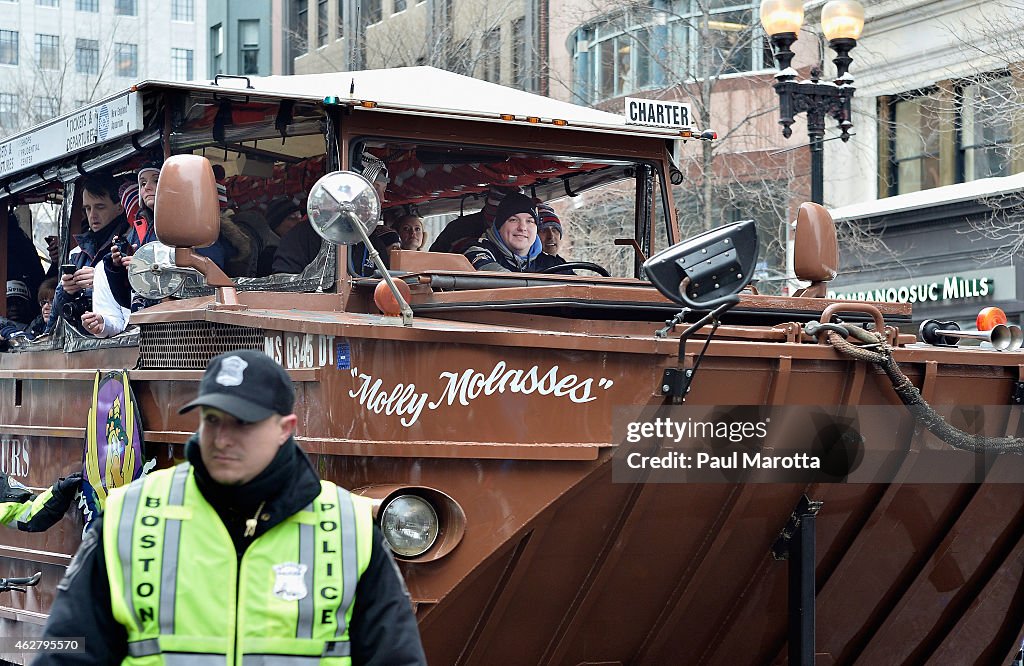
(153,273)
(339,201)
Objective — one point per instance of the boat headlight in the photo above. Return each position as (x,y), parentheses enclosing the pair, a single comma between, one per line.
(410,525)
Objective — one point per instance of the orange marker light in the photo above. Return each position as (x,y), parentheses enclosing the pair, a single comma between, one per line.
(368,105)
(559,122)
(989,317)
(507,116)
(532,119)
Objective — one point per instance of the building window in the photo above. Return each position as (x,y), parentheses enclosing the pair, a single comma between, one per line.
(45,108)
(48,3)
(8,110)
(217,49)
(127,59)
(372,12)
(181,65)
(183,10)
(627,51)
(8,47)
(126,8)
(397,6)
(490,48)
(87,5)
(341,19)
(300,27)
(322,26)
(986,129)
(519,53)
(954,133)
(249,46)
(48,51)
(916,132)
(87,56)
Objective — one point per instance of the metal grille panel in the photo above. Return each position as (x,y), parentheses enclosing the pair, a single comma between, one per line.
(189,345)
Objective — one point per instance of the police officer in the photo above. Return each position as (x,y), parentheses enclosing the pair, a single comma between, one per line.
(241,555)
(30,513)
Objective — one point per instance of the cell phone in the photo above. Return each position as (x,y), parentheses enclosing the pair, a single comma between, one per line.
(123,246)
(68,269)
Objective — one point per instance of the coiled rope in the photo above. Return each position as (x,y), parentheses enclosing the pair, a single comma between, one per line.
(879,352)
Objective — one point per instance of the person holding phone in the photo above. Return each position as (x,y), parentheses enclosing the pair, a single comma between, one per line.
(106,219)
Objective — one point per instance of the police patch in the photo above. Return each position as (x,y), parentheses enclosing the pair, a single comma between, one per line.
(231,371)
(289,581)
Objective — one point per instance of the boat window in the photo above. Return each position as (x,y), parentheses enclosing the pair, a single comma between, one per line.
(448,186)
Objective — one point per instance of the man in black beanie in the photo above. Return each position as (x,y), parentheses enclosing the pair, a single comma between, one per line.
(510,244)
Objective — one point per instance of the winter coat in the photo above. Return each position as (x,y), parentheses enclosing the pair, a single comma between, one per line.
(491,254)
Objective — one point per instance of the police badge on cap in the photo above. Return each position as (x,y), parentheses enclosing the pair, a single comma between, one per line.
(232,371)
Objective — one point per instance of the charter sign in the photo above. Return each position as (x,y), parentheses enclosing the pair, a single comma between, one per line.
(657,113)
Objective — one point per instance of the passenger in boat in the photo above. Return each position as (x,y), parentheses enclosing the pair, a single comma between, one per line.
(283,215)
(550,233)
(106,219)
(22,258)
(512,244)
(549,230)
(19,316)
(45,299)
(410,232)
(138,200)
(464,231)
(12,328)
(299,242)
(31,513)
(250,495)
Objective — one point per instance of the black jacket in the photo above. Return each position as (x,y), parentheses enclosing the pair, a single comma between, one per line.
(383,629)
(23,260)
(461,233)
(297,249)
(487,255)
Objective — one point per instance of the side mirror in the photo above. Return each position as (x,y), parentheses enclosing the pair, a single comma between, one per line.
(344,208)
(340,205)
(188,216)
(153,273)
(707,270)
(187,212)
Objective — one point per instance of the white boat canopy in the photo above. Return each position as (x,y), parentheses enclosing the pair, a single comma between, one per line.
(426,91)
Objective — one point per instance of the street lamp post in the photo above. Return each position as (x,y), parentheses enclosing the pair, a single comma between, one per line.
(842,22)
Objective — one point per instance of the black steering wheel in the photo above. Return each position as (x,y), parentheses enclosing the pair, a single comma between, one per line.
(574,265)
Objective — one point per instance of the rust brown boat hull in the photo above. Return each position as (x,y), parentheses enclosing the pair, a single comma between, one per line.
(560,564)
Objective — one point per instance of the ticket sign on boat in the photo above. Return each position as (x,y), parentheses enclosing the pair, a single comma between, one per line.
(97,123)
(657,113)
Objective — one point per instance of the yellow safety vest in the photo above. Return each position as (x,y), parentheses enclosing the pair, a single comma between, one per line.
(178,588)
